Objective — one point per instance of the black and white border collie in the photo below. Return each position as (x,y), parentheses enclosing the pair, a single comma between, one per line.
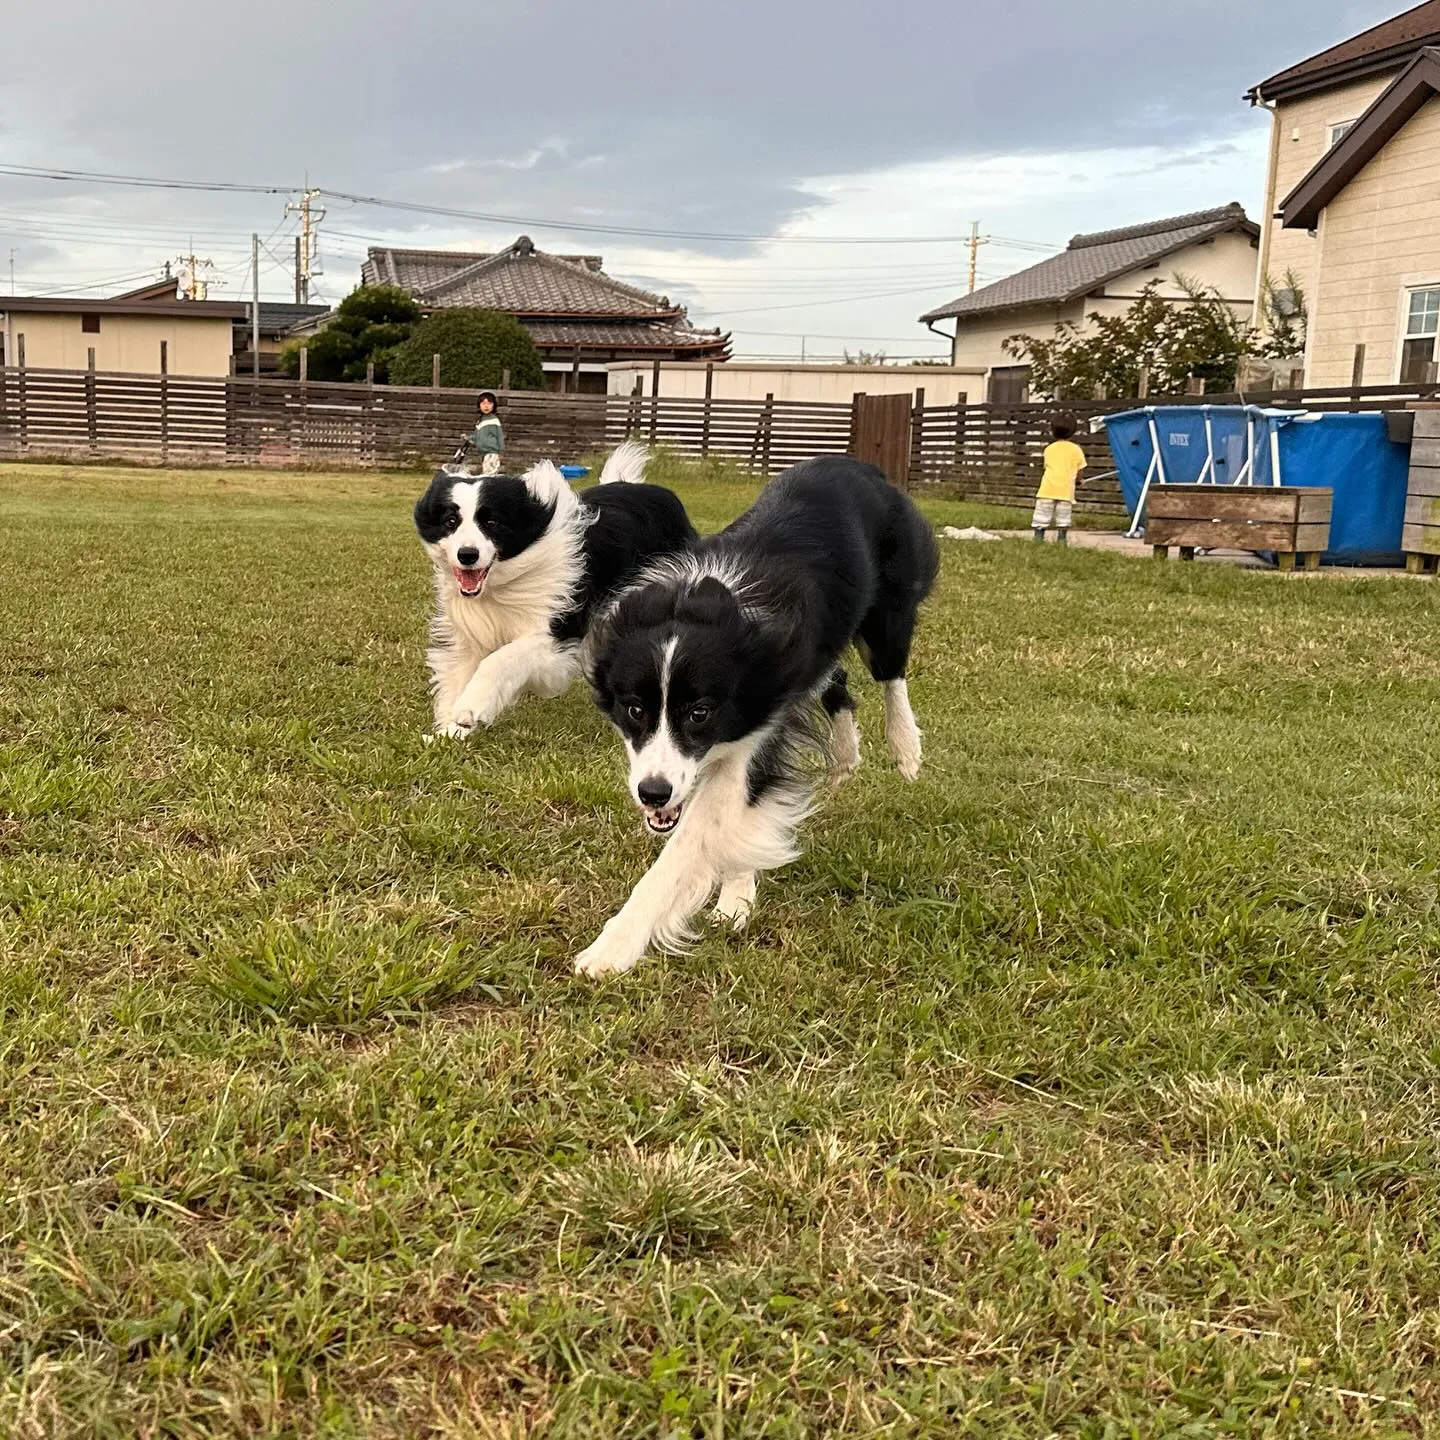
(711,665)
(520,564)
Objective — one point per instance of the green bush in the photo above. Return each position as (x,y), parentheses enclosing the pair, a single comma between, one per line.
(367,326)
(476,348)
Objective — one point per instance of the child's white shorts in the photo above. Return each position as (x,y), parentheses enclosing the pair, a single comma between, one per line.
(1052,512)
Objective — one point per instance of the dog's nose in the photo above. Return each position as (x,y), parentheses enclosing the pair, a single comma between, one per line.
(468,556)
(654,791)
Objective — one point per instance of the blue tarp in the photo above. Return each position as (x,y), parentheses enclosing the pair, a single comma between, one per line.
(1350,454)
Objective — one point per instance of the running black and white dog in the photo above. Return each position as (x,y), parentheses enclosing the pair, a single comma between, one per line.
(711,665)
(520,564)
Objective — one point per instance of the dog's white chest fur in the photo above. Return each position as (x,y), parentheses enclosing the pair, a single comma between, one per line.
(520,597)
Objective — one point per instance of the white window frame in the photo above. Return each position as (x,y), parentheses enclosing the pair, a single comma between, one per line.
(1331,138)
(1402,328)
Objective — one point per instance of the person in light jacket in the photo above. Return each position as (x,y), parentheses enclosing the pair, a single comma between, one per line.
(487,440)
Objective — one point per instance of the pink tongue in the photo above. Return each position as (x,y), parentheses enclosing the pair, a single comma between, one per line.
(470,581)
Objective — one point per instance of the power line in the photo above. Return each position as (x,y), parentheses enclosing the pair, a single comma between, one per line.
(152,182)
(145,182)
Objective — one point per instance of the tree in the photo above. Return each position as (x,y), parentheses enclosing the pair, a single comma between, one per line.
(1168,340)
(1287,318)
(476,348)
(367,326)
(864,357)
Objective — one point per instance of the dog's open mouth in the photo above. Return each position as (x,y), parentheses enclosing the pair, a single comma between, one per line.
(662,822)
(470,580)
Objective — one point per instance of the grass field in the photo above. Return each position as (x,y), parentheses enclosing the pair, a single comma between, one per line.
(1087,1087)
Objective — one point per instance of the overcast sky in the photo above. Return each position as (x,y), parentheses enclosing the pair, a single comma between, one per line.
(794,120)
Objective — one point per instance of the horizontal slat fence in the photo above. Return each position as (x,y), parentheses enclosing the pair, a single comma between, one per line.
(982,452)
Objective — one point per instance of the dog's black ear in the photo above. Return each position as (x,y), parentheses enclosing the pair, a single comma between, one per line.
(427,507)
(711,602)
(642,607)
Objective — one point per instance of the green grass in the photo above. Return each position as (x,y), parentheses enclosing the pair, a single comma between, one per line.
(1087,1087)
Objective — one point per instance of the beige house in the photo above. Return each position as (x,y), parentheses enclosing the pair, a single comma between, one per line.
(739,380)
(137,334)
(1314,105)
(1101,273)
(1359,225)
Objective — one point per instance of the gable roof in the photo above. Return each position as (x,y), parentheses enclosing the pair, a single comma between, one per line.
(166,289)
(1383,47)
(1415,86)
(521,280)
(421,270)
(1090,261)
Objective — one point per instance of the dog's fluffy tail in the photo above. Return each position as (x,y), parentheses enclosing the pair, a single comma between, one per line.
(626,465)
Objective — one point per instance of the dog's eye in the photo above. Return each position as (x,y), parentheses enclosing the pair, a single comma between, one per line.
(699,714)
(636,713)
(482,515)
(452,518)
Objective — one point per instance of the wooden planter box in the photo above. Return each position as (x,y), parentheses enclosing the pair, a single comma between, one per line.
(1292,520)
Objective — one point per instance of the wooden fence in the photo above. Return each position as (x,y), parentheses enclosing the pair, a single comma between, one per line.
(984,452)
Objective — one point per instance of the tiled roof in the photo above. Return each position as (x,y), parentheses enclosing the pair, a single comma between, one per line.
(421,270)
(1090,261)
(520,280)
(277,316)
(625,335)
(1388,45)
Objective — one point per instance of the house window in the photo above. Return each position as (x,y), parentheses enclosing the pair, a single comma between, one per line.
(90,324)
(1417,349)
(1009,385)
(1340,131)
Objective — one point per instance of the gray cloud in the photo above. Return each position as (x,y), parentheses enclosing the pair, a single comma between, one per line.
(693,115)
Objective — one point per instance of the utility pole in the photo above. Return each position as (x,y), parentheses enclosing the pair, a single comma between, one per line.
(192,287)
(307,247)
(12,269)
(976,241)
(255,305)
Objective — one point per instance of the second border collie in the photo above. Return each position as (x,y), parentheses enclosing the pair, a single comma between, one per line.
(520,564)
(710,667)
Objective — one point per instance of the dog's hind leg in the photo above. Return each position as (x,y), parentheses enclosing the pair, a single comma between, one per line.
(843,750)
(736,901)
(534,663)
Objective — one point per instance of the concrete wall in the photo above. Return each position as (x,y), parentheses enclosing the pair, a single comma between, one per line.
(1300,141)
(1378,238)
(201,346)
(943,385)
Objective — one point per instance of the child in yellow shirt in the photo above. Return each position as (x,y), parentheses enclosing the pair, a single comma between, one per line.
(1064,462)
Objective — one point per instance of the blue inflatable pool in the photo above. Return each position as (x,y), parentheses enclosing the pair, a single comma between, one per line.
(1250,445)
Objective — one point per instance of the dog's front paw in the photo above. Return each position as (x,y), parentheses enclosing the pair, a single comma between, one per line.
(478,714)
(607,956)
(449,730)
(735,902)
